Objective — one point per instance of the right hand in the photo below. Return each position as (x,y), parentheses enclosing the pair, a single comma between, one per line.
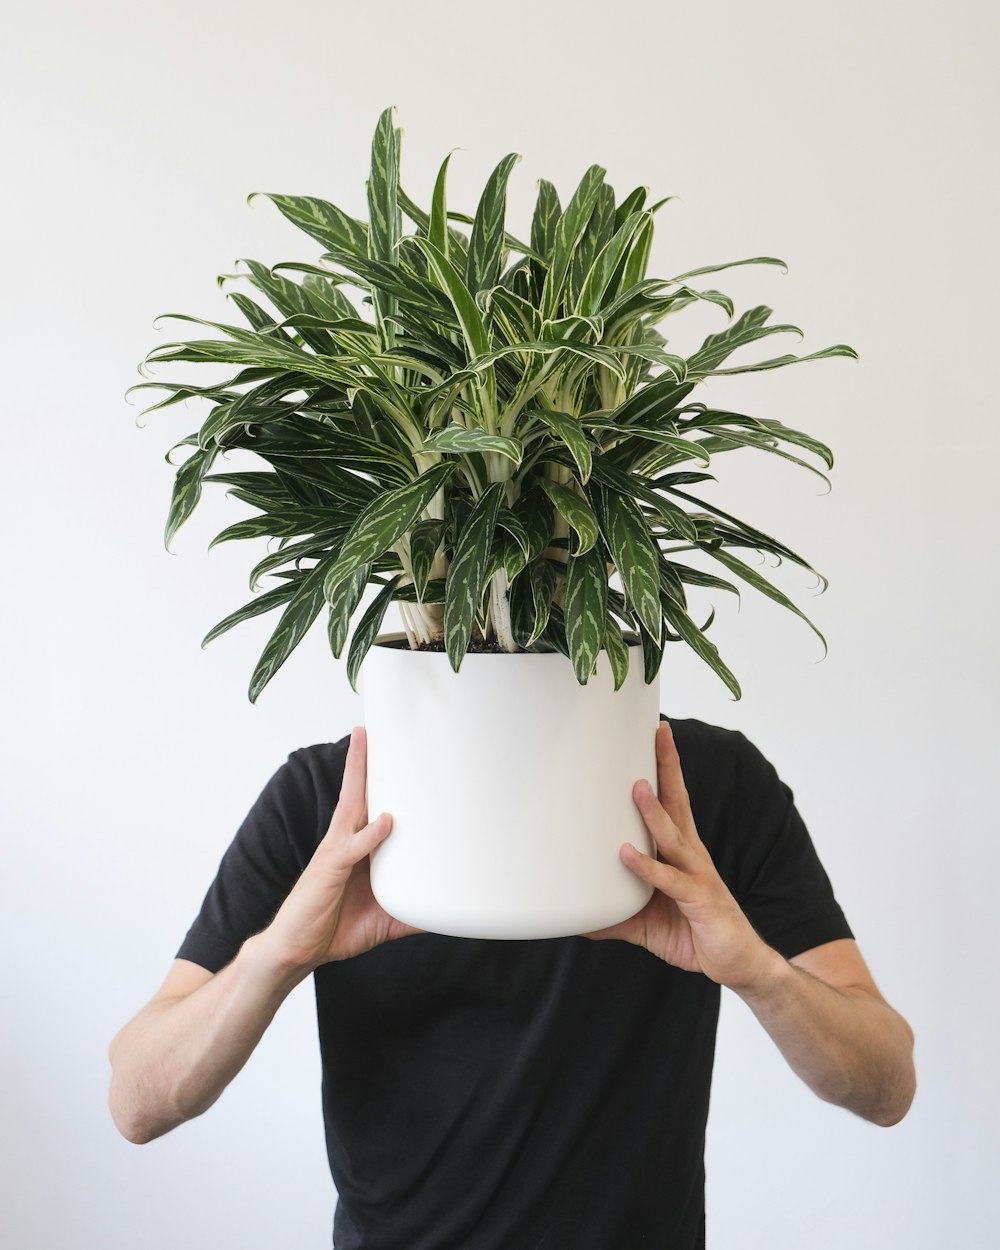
(331,912)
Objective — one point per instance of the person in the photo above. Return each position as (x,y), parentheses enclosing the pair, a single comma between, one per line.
(520,1095)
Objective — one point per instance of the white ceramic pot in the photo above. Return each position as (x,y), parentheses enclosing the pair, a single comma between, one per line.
(510,788)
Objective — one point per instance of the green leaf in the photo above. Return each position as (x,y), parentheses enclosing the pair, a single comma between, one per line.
(384,520)
(386,226)
(606,263)
(425,538)
(695,577)
(543,236)
(777,362)
(569,229)
(315,547)
(262,603)
(585,609)
(418,293)
(320,219)
(482,268)
(731,264)
(517,318)
(617,650)
(747,328)
(600,355)
(757,538)
(465,573)
(367,630)
(460,438)
(535,512)
(635,553)
(542,582)
(701,645)
(437,230)
(186,490)
(575,509)
(345,601)
(759,583)
(447,278)
(508,520)
(299,614)
(567,428)
(599,230)
(727,440)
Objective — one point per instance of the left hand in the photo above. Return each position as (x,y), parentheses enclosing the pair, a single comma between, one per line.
(692,921)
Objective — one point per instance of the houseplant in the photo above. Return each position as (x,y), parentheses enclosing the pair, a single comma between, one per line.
(504,435)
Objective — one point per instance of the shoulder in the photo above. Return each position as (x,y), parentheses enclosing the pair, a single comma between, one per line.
(704,745)
(315,774)
(701,743)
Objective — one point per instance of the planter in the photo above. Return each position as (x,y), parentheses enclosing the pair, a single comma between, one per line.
(510,789)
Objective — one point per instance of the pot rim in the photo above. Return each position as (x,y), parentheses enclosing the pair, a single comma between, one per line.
(630,639)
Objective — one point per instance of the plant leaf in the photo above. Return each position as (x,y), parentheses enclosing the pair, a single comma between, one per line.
(635,554)
(482,268)
(575,509)
(465,573)
(585,606)
(300,612)
(384,520)
(262,603)
(367,630)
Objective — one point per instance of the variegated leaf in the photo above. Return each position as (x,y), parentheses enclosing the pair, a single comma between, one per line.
(585,610)
(299,614)
(569,229)
(346,598)
(465,573)
(575,510)
(508,520)
(460,438)
(605,264)
(367,630)
(635,554)
(186,490)
(759,583)
(384,520)
(262,603)
(323,221)
(617,651)
(487,239)
(386,219)
(425,538)
(568,429)
(703,647)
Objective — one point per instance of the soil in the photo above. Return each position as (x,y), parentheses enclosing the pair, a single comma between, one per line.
(475,644)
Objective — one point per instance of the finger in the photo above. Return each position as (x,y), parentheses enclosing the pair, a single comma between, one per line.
(672,792)
(669,839)
(665,877)
(341,848)
(352,804)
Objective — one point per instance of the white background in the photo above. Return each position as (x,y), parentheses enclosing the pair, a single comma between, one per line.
(856,142)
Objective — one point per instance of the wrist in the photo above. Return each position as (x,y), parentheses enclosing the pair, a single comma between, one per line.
(279,972)
(769,972)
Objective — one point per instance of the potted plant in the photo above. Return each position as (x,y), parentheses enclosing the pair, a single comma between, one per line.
(500,438)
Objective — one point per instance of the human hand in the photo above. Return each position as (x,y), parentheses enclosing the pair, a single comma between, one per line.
(692,920)
(330,912)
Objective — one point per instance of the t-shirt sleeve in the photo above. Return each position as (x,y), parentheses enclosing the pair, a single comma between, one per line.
(781,884)
(259,868)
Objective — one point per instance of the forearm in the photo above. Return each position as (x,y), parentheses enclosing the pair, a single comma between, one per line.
(176,1057)
(849,1048)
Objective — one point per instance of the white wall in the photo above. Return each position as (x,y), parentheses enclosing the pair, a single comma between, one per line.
(854,141)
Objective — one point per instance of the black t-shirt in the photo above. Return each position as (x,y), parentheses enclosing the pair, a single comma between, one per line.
(523,1095)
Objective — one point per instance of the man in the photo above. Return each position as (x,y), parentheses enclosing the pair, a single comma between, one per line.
(520,1095)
